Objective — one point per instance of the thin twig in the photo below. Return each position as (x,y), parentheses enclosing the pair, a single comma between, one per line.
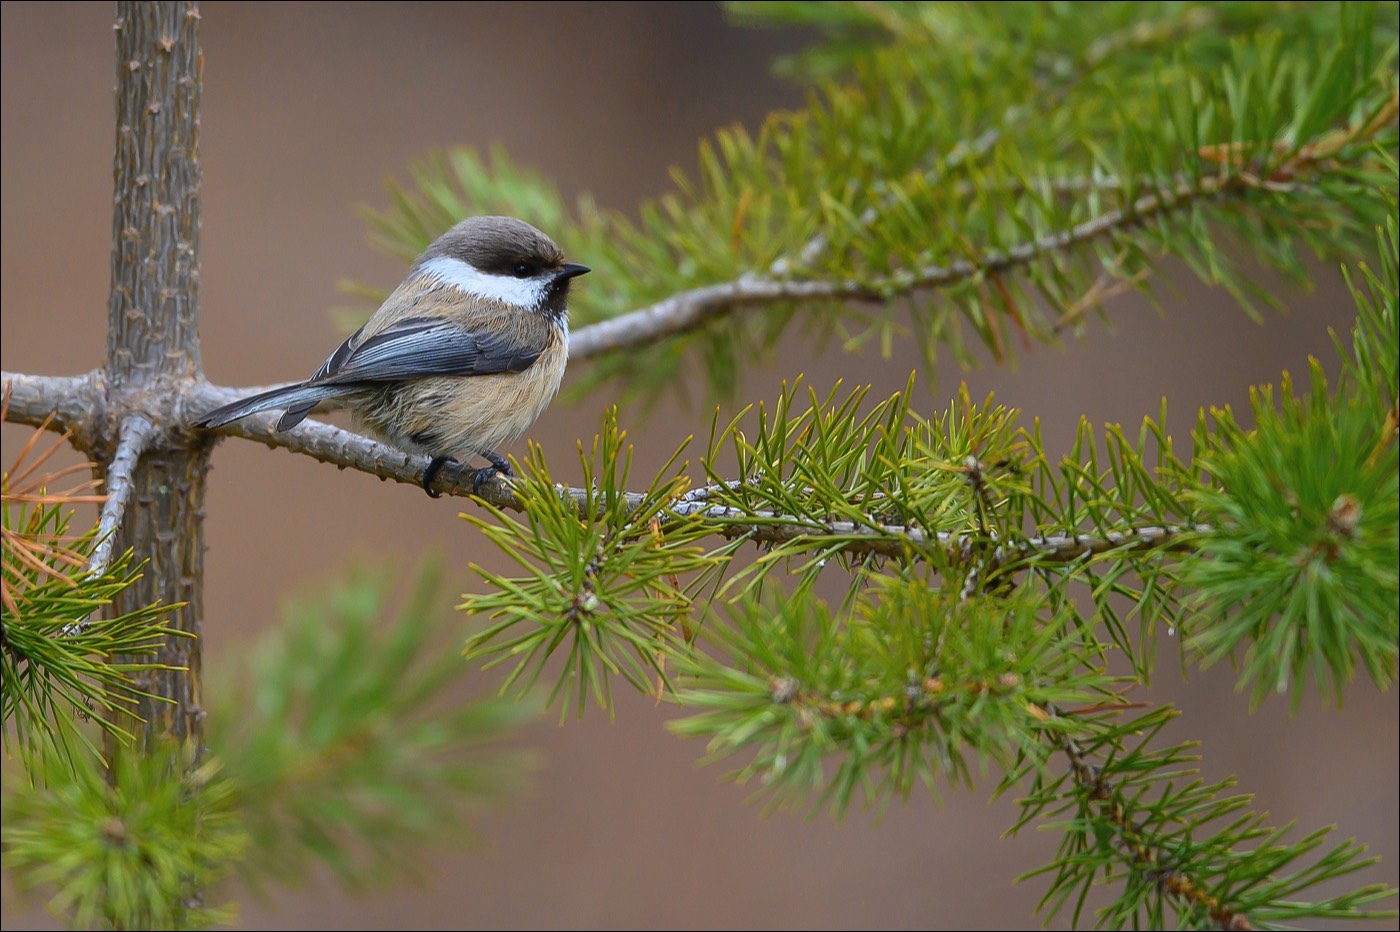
(135,435)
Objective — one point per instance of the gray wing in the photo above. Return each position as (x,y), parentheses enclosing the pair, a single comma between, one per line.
(337,359)
(419,347)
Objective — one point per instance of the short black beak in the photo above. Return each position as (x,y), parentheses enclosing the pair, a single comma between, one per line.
(571,270)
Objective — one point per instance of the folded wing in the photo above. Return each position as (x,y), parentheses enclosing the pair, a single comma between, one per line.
(421,347)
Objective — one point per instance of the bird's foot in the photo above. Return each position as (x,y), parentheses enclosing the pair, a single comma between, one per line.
(499,466)
(434,467)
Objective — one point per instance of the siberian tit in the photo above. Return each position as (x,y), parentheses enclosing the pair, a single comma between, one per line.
(461,358)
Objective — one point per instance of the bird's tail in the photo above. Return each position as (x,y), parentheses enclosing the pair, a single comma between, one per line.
(299,400)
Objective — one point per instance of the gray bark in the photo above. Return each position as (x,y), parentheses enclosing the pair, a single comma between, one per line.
(153,338)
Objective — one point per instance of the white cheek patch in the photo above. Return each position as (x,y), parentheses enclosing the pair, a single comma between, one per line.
(520,292)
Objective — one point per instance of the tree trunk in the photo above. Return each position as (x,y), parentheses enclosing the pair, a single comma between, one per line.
(153,337)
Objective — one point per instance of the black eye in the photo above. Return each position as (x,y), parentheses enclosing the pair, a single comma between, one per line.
(522,270)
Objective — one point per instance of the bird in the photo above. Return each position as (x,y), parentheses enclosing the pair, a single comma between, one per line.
(461,358)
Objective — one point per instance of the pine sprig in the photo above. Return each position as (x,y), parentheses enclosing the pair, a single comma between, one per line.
(1101,485)
(1302,562)
(831,462)
(604,578)
(52,671)
(133,845)
(1372,367)
(1179,851)
(1305,504)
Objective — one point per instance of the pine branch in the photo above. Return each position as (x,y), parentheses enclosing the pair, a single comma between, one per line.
(1136,842)
(133,841)
(35,396)
(1188,847)
(75,403)
(906,686)
(692,309)
(135,435)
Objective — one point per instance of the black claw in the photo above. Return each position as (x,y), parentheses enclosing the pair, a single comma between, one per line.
(500,466)
(483,475)
(434,467)
(499,463)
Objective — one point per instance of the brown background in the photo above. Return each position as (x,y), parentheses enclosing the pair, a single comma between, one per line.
(307,108)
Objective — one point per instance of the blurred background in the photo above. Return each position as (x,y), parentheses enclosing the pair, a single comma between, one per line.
(308,108)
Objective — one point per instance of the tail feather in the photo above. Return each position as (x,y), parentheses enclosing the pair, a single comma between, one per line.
(299,399)
(295,415)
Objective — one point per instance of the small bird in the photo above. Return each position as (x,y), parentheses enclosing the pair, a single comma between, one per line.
(461,358)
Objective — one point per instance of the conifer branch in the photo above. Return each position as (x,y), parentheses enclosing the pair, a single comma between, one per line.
(136,434)
(689,310)
(1135,841)
(34,396)
(75,402)
(350,450)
